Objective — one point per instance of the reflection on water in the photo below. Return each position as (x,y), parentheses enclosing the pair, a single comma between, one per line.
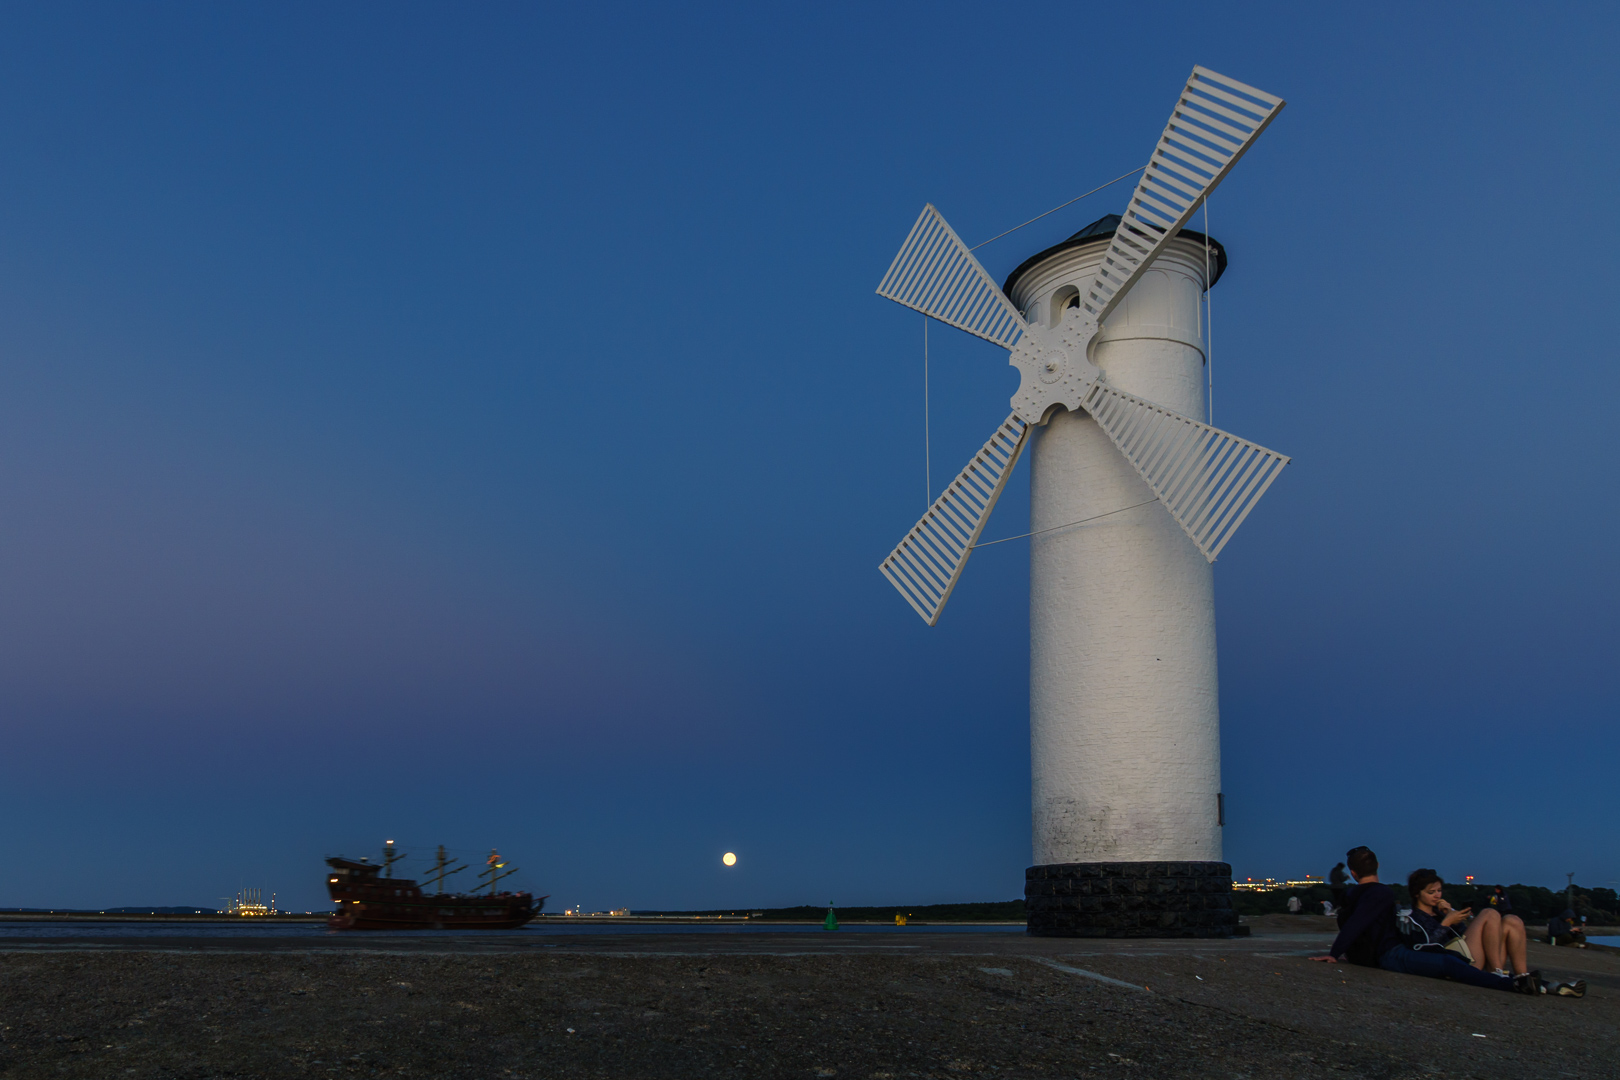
(251,929)
(1605,939)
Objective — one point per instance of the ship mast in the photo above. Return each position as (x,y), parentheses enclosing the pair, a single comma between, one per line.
(441,870)
(389,858)
(494,872)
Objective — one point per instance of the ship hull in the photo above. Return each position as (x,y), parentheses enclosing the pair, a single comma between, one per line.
(360,915)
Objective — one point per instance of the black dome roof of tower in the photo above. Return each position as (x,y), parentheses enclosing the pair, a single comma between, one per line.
(1104,227)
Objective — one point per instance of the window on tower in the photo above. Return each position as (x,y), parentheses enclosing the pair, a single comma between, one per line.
(1065,298)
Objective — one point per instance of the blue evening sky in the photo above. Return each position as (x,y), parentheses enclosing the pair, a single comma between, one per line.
(474,424)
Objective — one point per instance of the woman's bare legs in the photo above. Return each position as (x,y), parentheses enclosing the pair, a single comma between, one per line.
(1484,937)
(1514,938)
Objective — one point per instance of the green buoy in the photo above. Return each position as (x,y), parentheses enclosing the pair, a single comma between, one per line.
(831,921)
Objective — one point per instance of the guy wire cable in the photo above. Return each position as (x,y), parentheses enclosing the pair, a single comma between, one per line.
(1070,525)
(1209,323)
(928,461)
(1055,209)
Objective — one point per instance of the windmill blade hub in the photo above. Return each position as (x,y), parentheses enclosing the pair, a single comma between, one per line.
(1054,368)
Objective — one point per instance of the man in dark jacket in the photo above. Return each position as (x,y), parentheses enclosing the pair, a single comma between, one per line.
(1368,935)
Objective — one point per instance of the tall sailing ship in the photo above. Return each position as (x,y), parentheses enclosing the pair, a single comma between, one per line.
(370,897)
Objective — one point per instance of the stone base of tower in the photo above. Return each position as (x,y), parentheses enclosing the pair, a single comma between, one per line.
(1137,899)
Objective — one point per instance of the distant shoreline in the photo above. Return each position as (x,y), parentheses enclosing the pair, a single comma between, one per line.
(178,917)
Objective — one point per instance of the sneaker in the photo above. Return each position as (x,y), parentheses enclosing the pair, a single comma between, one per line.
(1504,972)
(1574,989)
(1528,983)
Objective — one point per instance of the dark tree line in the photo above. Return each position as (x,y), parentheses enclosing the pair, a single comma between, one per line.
(1530,902)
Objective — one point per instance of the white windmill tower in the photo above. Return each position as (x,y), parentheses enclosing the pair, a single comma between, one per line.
(1131,499)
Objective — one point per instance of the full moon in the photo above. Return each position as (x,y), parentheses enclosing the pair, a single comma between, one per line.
(729,859)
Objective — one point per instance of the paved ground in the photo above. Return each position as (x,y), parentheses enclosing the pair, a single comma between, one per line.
(867,1006)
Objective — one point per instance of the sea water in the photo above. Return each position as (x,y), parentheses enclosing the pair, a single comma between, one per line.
(251,929)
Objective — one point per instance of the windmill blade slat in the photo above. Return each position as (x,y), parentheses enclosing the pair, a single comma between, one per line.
(946,288)
(930,559)
(906,594)
(944,538)
(954,527)
(922,584)
(1207,87)
(1192,155)
(1182,463)
(925,272)
(960,514)
(922,601)
(1195,153)
(1209,95)
(1159,191)
(1212,485)
(1219,537)
(1199,470)
(1210,110)
(952,534)
(936,274)
(916,271)
(970,306)
(981,485)
(1260,474)
(930,563)
(943,551)
(1175,457)
(1158,204)
(1215,121)
(1184,165)
(959,517)
(1174,185)
(952,279)
(1207,479)
(1213,124)
(1224,488)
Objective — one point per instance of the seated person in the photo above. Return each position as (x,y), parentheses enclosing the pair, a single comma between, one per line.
(1368,936)
(1566,929)
(1493,940)
(1500,901)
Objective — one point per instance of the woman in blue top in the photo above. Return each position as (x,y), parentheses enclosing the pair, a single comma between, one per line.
(1493,940)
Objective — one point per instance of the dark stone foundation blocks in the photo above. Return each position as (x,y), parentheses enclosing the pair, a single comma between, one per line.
(1139,899)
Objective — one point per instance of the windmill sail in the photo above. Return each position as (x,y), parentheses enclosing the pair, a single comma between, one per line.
(1214,122)
(937,275)
(1208,479)
(927,563)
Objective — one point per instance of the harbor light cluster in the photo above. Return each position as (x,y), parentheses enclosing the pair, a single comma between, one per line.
(1272,884)
(250,903)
